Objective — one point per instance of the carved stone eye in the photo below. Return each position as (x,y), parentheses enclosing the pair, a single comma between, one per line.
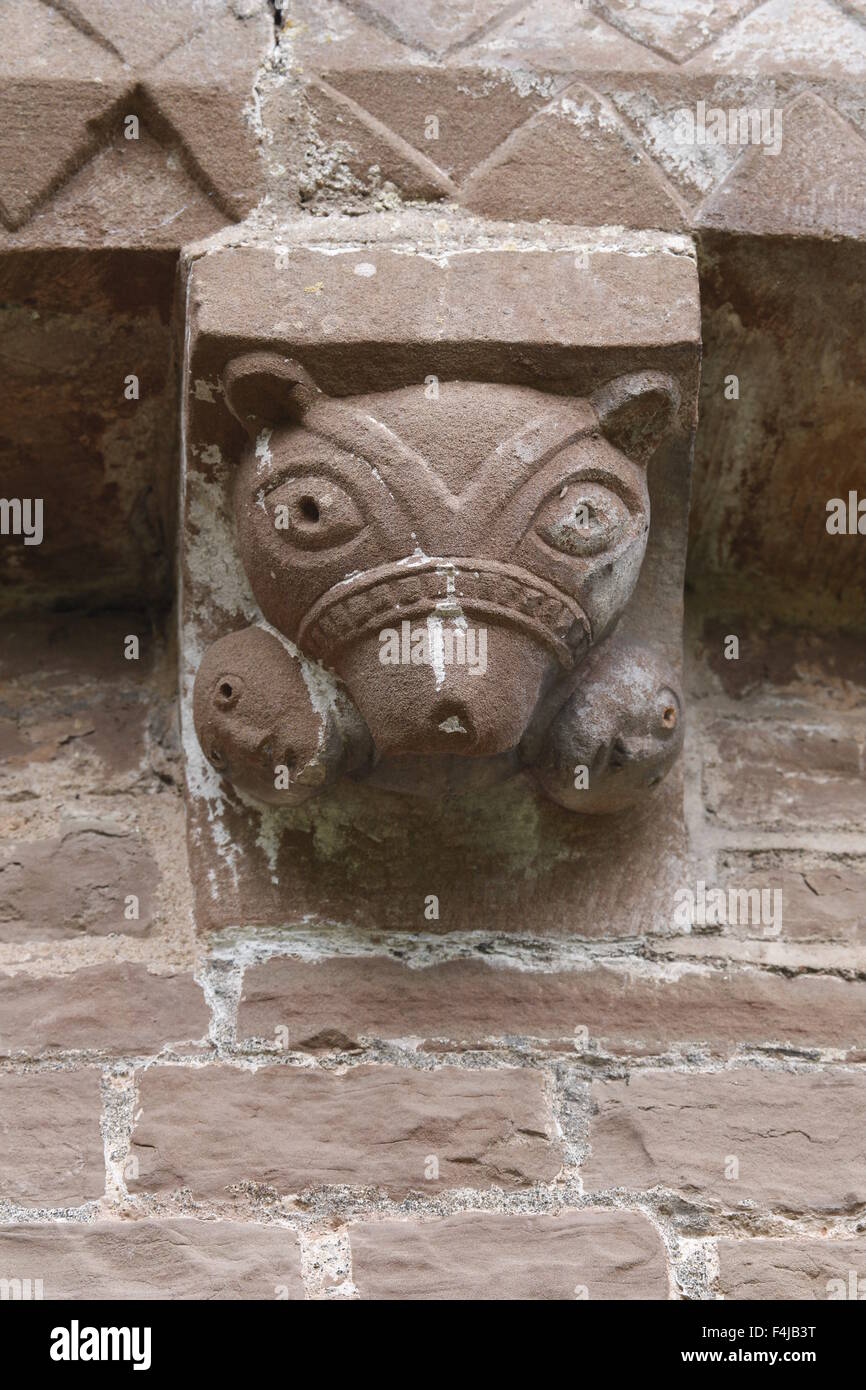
(313,513)
(583,519)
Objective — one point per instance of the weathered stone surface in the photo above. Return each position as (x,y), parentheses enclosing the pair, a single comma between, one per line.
(795,1141)
(334,871)
(805,667)
(184,70)
(51,1151)
(793,433)
(83,881)
(815,186)
(154,1260)
(119,1009)
(358,159)
(823,896)
(555,37)
(819,39)
(796,1268)
(471,119)
(782,776)
(372,83)
(474,111)
(335,1003)
(327,35)
(770,223)
(76,712)
(611,181)
(375,1126)
(481,1257)
(678,31)
(76,327)
(635,298)
(436,29)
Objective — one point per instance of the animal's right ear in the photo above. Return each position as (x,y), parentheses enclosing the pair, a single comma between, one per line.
(635,412)
(263,389)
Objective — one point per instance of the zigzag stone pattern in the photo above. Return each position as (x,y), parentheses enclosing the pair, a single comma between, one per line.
(125,125)
(568,111)
(580,113)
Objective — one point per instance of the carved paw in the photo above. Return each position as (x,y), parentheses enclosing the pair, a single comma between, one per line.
(260,728)
(617,735)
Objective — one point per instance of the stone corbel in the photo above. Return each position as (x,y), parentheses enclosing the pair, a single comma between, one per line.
(428,567)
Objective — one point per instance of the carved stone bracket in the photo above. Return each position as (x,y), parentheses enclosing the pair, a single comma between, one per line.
(434,534)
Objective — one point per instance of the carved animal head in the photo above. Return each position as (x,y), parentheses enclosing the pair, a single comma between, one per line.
(434,515)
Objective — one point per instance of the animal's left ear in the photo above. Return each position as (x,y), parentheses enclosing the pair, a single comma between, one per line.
(636,412)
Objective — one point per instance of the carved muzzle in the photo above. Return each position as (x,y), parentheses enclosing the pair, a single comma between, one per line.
(484,591)
(446,656)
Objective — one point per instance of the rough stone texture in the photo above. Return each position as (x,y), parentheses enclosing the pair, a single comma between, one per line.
(79,882)
(730,1002)
(82,310)
(51,1154)
(605,86)
(786,1269)
(807,667)
(89,809)
(823,896)
(797,1139)
(793,434)
(480,1257)
(118,1009)
(154,1260)
(339,102)
(75,326)
(75,712)
(781,777)
(792,193)
(463,1003)
(289,1129)
(610,179)
(601,91)
(185,70)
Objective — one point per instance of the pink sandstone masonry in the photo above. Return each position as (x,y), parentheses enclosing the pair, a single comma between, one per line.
(432,683)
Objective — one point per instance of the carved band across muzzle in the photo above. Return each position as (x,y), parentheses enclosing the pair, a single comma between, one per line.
(481,589)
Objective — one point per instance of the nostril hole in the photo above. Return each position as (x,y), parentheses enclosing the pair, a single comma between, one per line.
(228,692)
(309,508)
(669,716)
(452,719)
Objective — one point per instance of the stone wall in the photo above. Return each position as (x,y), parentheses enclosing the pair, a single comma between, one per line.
(579,1095)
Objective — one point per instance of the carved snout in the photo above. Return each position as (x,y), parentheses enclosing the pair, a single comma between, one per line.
(440,686)
(619,733)
(260,727)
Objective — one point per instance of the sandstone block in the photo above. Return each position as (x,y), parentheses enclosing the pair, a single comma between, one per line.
(51,1153)
(479,1256)
(739,1140)
(375,1126)
(143,1260)
(118,1009)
